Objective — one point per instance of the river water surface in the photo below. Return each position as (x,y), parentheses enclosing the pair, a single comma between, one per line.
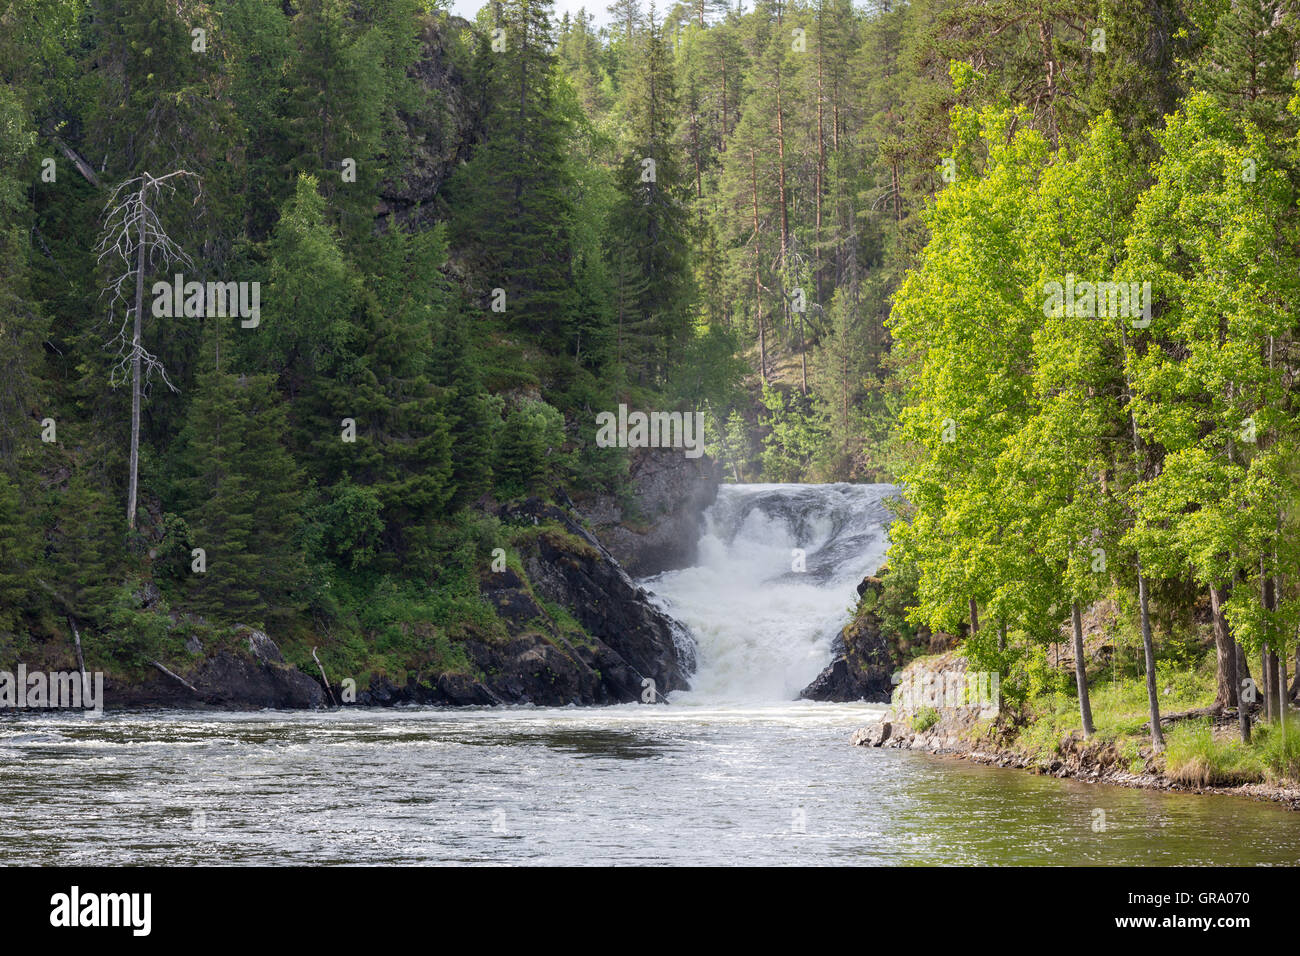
(631,784)
(731,772)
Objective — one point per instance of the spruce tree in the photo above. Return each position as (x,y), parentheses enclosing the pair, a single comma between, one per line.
(651,258)
(514,198)
(248,493)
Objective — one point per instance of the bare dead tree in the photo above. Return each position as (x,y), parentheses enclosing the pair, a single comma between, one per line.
(134,236)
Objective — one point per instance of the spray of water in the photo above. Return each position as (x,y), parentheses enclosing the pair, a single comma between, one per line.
(763,627)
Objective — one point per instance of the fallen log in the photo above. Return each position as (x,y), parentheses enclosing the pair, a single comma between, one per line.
(177,677)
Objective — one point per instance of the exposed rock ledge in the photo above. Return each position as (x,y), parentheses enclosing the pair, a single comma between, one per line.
(225,679)
(627,639)
(623,641)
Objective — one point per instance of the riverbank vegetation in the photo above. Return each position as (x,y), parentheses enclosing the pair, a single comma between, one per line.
(1099,345)
(1036,724)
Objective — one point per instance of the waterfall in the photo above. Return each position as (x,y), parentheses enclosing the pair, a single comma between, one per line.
(764,628)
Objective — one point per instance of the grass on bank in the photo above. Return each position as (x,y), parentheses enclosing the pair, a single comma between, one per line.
(1197,754)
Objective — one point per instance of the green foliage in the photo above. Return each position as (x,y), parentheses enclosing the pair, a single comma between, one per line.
(136,637)
(834,236)
(530,452)
(351,525)
(1279,750)
(246,491)
(17,556)
(794,436)
(924,719)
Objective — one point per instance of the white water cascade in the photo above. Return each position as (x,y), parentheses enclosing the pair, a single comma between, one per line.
(764,629)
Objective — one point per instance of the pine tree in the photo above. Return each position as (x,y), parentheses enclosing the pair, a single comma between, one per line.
(467,408)
(398,444)
(1248,63)
(17,556)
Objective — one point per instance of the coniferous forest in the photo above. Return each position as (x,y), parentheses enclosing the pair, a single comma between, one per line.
(298,294)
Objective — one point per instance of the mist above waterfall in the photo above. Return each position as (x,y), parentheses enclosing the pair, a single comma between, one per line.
(764,630)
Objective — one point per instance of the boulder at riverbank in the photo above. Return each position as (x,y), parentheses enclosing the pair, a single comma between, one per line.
(249,675)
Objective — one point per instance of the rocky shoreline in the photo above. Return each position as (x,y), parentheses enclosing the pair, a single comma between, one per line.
(962,733)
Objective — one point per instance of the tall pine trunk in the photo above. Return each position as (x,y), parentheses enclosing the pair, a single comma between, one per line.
(758,284)
(1243,709)
(785,231)
(1281,690)
(818,270)
(1265,685)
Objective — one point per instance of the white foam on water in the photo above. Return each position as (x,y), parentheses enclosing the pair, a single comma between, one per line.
(764,630)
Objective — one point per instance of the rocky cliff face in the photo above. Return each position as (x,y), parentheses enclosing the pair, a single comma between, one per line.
(622,648)
(864,659)
(577,628)
(661,529)
(440,135)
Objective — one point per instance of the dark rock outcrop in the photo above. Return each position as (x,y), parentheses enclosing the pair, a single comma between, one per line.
(607,603)
(439,135)
(624,638)
(863,666)
(671,493)
(575,629)
(225,679)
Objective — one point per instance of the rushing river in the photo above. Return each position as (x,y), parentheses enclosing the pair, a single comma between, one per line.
(730,772)
(629,784)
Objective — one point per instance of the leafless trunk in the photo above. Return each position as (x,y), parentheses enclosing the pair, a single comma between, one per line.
(134,486)
(134,235)
(821,163)
(79,163)
(1281,692)
(758,284)
(722,144)
(1268,659)
(176,677)
(785,216)
(1265,685)
(81,661)
(324,680)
